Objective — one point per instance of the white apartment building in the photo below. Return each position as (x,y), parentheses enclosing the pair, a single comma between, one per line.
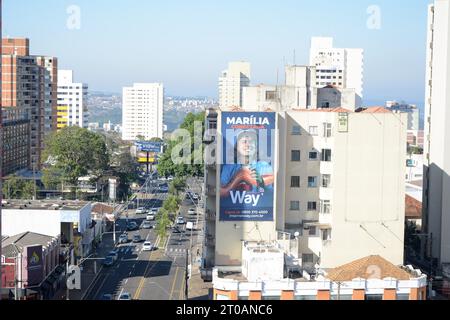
(232,82)
(72,101)
(298,92)
(339,193)
(335,66)
(143,113)
(436,200)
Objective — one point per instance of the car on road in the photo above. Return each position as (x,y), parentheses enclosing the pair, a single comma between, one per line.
(132,226)
(137,238)
(148,246)
(114,255)
(107,297)
(123,238)
(146,225)
(195,196)
(125,296)
(108,261)
(180,220)
(140,210)
(170,178)
(190,226)
(154,210)
(150,217)
(191,212)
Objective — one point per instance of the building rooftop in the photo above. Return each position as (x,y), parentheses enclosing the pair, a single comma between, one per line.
(102,208)
(363,268)
(43,205)
(413,208)
(15,244)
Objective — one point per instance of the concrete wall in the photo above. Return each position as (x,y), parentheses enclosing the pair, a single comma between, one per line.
(437,148)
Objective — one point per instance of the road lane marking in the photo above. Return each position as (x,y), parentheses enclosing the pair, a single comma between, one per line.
(141,283)
(101,286)
(173,284)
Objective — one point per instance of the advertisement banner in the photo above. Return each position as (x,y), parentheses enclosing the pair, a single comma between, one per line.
(144,146)
(247,170)
(34,265)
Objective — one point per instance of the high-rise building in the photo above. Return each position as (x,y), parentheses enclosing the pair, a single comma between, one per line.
(232,82)
(436,200)
(29,85)
(298,92)
(342,68)
(142,113)
(72,101)
(333,182)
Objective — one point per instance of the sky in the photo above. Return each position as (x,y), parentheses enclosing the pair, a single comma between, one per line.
(187,43)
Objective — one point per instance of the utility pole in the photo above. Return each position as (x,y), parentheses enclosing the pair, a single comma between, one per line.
(186,287)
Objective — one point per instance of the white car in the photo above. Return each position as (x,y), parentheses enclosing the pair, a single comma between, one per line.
(140,210)
(125,296)
(150,217)
(148,246)
(189,226)
(191,212)
(154,211)
(180,220)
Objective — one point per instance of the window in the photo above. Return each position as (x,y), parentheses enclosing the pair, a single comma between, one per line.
(296,130)
(374,297)
(326,155)
(313,155)
(295,155)
(305,298)
(325,206)
(312,206)
(312,231)
(326,235)
(326,181)
(403,296)
(342,297)
(307,258)
(313,131)
(295,182)
(271,95)
(295,205)
(312,182)
(325,105)
(327,130)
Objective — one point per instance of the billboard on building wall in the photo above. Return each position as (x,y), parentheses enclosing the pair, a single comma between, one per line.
(33,265)
(247,170)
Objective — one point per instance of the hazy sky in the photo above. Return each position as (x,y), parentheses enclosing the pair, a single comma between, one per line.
(187,43)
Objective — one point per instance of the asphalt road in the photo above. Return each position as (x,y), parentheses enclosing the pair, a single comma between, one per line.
(156,275)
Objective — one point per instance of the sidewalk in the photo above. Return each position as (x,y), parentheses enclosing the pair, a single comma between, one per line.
(87,273)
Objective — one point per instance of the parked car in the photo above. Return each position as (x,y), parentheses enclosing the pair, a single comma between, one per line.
(191,211)
(148,246)
(137,238)
(146,225)
(108,261)
(123,238)
(114,255)
(140,210)
(180,220)
(125,296)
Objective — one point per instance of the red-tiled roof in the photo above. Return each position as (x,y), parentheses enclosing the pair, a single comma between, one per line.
(338,109)
(413,208)
(364,268)
(376,110)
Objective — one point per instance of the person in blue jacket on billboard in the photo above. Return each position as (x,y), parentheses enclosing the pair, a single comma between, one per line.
(247,173)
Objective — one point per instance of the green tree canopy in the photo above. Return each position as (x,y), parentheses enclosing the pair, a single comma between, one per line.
(167,167)
(75,152)
(15,188)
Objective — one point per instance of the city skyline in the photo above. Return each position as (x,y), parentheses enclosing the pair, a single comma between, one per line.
(169,27)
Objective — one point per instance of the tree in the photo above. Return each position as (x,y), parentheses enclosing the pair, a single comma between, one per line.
(15,188)
(163,222)
(177,185)
(167,167)
(73,153)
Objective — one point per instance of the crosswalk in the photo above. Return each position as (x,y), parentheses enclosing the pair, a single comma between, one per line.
(179,252)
